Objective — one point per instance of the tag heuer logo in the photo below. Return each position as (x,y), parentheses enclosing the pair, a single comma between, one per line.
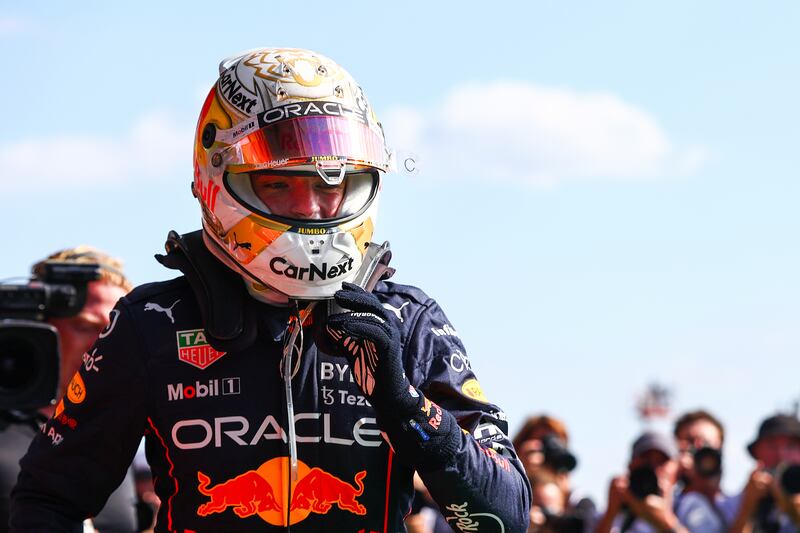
(195,350)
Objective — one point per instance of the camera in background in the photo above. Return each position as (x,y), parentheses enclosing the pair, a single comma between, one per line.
(642,482)
(789,476)
(556,454)
(707,462)
(569,522)
(29,347)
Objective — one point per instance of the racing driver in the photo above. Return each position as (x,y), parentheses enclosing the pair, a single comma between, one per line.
(281,383)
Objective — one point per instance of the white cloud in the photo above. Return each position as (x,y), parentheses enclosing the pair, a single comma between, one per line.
(156,145)
(537,135)
(509,131)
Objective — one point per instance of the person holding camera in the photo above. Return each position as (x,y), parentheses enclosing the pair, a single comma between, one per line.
(542,445)
(76,334)
(700,504)
(281,383)
(530,445)
(770,501)
(641,500)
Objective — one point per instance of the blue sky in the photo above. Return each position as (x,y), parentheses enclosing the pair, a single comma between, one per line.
(608,190)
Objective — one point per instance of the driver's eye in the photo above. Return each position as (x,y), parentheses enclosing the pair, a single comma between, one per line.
(274,186)
(322,186)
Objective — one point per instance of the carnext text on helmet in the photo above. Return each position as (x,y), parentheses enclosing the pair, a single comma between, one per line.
(233,92)
(313,270)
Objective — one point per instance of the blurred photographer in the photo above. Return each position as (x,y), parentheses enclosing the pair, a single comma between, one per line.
(770,502)
(641,500)
(77,329)
(701,505)
(542,448)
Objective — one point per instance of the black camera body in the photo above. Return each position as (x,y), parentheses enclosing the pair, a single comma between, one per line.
(570,522)
(574,519)
(556,454)
(642,482)
(707,462)
(789,478)
(29,347)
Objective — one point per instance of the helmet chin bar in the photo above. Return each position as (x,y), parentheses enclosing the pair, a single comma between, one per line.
(374,267)
(323,167)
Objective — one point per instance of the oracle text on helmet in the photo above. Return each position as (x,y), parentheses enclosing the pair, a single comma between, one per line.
(307,109)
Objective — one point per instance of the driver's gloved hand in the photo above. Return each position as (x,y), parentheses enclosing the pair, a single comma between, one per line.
(421,432)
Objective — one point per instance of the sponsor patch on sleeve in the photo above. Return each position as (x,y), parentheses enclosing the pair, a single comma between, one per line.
(472,389)
(76,390)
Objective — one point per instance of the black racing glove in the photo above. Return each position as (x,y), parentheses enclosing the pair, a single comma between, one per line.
(371,343)
(420,431)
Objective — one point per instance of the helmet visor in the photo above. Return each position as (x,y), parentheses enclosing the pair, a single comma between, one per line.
(301,197)
(304,140)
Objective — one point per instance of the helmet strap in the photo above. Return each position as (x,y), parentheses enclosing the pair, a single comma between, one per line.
(229,317)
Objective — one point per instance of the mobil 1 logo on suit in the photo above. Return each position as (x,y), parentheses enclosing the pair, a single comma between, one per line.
(203,389)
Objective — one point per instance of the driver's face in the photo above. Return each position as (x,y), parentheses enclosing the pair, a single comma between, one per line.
(297,196)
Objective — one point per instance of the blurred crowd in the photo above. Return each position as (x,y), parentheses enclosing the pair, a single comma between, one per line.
(672,482)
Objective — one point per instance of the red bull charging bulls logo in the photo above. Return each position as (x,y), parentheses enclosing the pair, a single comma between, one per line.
(263,492)
(248,494)
(319,491)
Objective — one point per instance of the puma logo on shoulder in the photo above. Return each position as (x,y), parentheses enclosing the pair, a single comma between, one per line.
(152,306)
(396,310)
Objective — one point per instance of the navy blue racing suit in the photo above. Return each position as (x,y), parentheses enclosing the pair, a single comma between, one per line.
(216,433)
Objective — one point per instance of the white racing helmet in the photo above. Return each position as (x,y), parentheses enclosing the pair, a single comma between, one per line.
(296,113)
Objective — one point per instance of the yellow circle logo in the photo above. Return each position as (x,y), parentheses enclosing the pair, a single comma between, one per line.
(472,389)
(76,390)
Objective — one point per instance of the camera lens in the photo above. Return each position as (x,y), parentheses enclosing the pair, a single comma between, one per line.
(790,479)
(17,364)
(29,364)
(708,462)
